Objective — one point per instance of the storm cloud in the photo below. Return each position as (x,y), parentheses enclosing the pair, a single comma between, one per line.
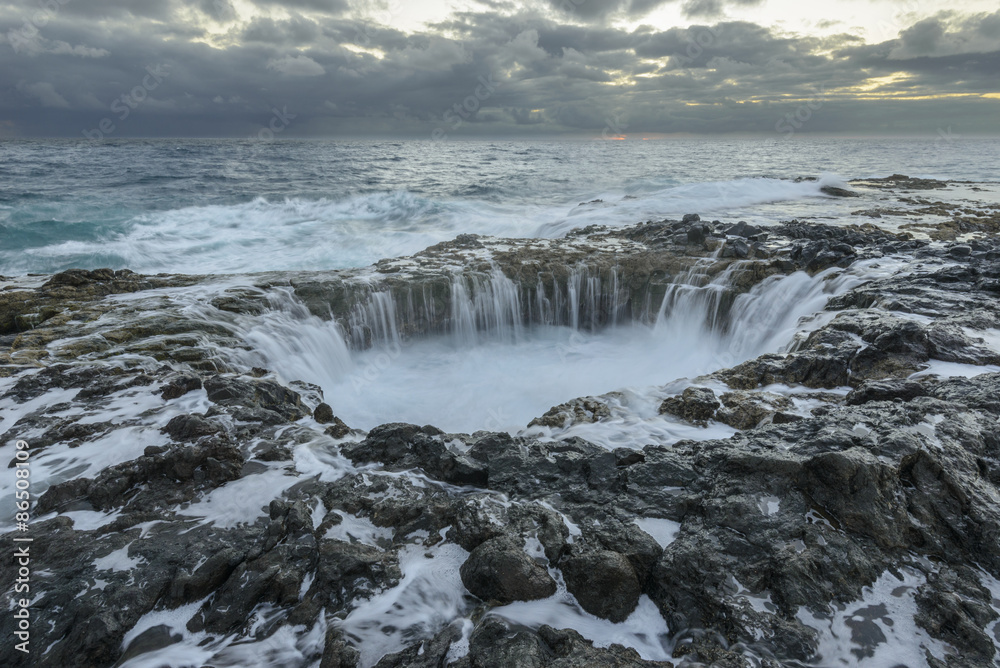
(111,68)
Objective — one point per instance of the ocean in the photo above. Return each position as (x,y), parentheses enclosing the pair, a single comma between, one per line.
(234,206)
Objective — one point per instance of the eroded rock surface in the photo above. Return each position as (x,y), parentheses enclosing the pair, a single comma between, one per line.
(188,500)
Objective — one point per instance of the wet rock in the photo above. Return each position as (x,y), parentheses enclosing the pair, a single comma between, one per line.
(745,410)
(584,410)
(696,404)
(834,191)
(818,497)
(256,394)
(337,653)
(960,250)
(743,229)
(180,386)
(404,446)
(736,248)
(323,414)
(153,480)
(890,390)
(338,429)
(499,570)
(698,233)
(496,642)
(188,427)
(604,582)
(955,607)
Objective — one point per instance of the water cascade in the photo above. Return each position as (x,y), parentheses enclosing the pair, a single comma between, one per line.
(462,357)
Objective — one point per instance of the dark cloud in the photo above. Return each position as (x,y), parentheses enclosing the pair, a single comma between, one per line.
(599,9)
(923,37)
(153,69)
(706,9)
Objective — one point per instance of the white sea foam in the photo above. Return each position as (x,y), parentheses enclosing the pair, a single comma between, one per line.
(663,531)
(877,631)
(299,233)
(644,630)
(429,596)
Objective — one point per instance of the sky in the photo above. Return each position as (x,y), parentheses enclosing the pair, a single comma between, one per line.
(453,69)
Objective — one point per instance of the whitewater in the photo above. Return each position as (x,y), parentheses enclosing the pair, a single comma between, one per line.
(213,206)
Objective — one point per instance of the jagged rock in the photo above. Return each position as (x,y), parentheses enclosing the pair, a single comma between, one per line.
(256,394)
(745,410)
(180,386)
(499,643)
(499,570)
(188,427)
(736,248)
(698,233)
(340,430)
(155,479)
(742,229)
(404,446)
(584,410)
(890,390)
(696,404)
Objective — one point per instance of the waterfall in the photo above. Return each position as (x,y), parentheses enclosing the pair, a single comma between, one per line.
(485,351)
(490,305)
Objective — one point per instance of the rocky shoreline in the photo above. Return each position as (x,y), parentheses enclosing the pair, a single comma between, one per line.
(195,508)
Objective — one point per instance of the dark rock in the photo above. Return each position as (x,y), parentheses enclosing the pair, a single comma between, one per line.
(404,446)
(696,404)
(889,390)
(604,582)
(339,430)
(583,410)
(960,250)
(736,248)
(698,233)
(263,394)
(690,218)
(323,414)
(742,229)
(499,570)
(180,386)
(834,191)
(188,427)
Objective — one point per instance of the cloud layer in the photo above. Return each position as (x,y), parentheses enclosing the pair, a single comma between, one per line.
(568,67)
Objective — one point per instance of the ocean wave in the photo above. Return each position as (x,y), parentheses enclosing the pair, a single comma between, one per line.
(300,233)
